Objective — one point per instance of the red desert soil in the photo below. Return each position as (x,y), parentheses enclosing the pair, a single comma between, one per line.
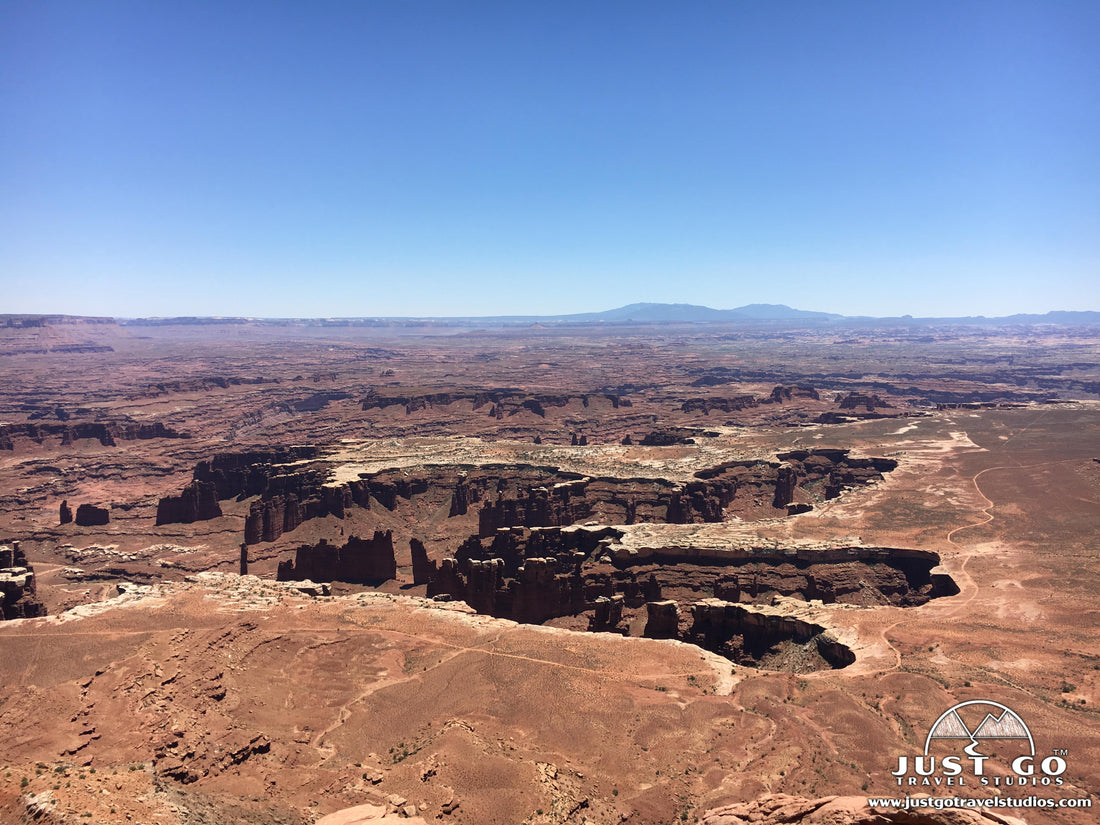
(164,687)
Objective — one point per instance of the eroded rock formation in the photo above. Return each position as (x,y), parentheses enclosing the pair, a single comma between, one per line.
(424,569)
(752,636)
(537,574)
(88,515)
(287,496)
(726,405)
(197,502)
(18,594)
(500,402)
(662,619)
(107,433)
(607,613)
(540,588)
(293,486)
(558,499)
(244,474)
(360,561)
(868,401)
(669,437)
(781,393)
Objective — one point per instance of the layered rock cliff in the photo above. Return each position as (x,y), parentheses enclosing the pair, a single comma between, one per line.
(538,574)
(88,515)
(107,433)
(293,486)
(359,561)
(18,593)
(197,502)
(499,402)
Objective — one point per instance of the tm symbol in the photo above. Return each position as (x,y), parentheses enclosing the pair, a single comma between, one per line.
(1061,751)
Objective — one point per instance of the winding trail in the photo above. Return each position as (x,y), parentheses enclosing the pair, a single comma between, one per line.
(954,608)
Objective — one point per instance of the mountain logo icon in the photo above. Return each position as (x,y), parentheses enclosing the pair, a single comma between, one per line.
(999,722)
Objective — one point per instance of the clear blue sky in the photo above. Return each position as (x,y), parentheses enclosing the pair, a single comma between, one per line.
(478,158)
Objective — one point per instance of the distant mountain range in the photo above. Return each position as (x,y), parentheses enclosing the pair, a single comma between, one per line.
(640,313)
(693,313)
(645,313)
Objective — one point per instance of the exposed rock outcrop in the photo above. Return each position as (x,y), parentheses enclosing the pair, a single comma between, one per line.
(751,635)
(18,593)
(244,474)
(536,574)
(876,578)
(197,502)
(552,499)
(786,480)
(828,472)
(359,561)
(424,569)
(65,513)
(869,401)
(293,486)
(662,619)
(107,433)
(88,515)
(501,402)
(269,518)
(199,385)
(290,493)
(539,590)
(726,405)
(669,437)
(318,401)
(607,613)
(782,393)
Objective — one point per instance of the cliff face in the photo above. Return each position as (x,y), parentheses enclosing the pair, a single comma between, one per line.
(521,495)
(500,403)
(782,394)
(536,574)
(750,635)
(18,594)
(540,589)
(424,569)
(88,515)
(855,400)
(287,497)
(726,405)
(278,513)
(859,575)
(106,433)
(830,472)
(197,502)
(561,499)
(240,475)
(876,578)
(521,574)
(360,561)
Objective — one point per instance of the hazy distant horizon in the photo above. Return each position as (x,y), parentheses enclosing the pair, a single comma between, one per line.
(433,159)
(532,316)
